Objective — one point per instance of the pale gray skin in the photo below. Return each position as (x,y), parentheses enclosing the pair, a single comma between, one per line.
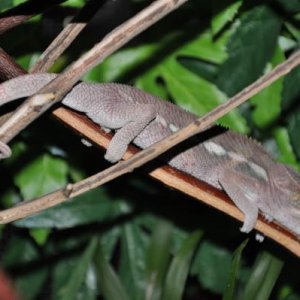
(228,161)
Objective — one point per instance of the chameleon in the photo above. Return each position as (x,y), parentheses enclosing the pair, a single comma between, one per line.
(225,159)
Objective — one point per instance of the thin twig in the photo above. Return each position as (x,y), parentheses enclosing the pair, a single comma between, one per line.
(21,13)
(66,37)
(56,89)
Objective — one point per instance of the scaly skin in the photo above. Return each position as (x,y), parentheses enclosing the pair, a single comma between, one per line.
(224,159)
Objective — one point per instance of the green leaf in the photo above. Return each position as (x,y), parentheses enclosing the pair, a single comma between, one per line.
(40,235)
(179,268)
(77,277)
(223,14)
(109,240)
(211,265)
(157,260)
(196,94)
(290,97)
(258,29)
(206,70)
(287,154)
(233,272)
(268,102)
(109,282)
(132,268)
(93,206)
(293,129)
(263,277)
(291,89)
(150,84)
(41,176)
(204,47)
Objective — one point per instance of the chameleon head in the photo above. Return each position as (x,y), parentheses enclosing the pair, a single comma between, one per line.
(285,191)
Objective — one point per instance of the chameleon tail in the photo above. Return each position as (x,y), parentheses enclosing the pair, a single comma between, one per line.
(23,86)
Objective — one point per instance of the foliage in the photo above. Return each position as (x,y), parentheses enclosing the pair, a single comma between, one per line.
(133,238)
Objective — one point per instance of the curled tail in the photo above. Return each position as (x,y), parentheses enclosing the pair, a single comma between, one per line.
(23,86)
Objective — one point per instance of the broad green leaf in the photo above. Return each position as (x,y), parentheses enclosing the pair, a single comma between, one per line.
(290,97)
(293,129)
(148,83)
(287,154)
(263,277)
(77,277)
(223,14)
(93,206)
(43,175)
(211,265)
(64,253)
(109,240)
(158,256)
(196,94)
(258,29)
(268,102)
(132,267)
(291,89)
(206,70)
(204,47)
(233,272)
(179,268)
(109,282)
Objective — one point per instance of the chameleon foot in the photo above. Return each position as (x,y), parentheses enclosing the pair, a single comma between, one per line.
(4,151)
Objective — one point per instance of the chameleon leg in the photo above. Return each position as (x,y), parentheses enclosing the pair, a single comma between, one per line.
(243,193)
(137,119)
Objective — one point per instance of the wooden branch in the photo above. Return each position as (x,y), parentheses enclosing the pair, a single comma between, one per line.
(168,175)
(56,89)
(9,68)
(21,13)
(66,37)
